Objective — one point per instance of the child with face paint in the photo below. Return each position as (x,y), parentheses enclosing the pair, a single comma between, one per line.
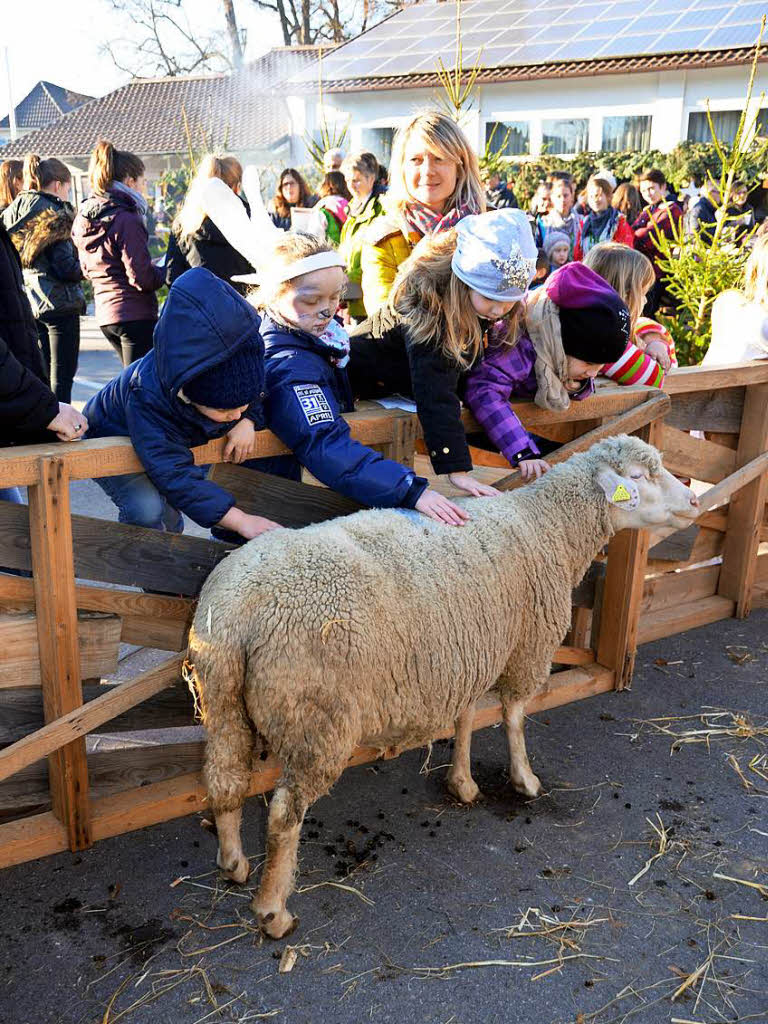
(307,388)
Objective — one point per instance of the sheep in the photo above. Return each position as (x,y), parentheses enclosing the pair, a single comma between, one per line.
(378,628)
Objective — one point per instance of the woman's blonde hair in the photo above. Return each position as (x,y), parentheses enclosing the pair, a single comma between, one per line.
(437,306)
(38,173)
(108,164)
(626,270)
(192,213)
(756,273)
(292,246)
(444,137)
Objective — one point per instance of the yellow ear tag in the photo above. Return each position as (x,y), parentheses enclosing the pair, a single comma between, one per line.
(621,494)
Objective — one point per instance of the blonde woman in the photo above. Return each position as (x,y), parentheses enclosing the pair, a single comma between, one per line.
(739,318)
(195,241)
(434,182)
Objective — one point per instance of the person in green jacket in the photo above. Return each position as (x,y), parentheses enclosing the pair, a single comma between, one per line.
(360,171)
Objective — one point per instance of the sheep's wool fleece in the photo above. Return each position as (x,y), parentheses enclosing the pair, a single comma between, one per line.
(377,625)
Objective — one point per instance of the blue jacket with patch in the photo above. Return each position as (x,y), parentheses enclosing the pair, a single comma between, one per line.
(204,321)
(306,395)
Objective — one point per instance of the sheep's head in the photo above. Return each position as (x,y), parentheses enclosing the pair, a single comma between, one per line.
(641,493)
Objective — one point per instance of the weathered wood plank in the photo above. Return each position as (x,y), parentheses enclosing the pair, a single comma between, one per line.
(745,517)
(75,724)
(51,560)
(708,544)
(98,640)
(151,620)
(288,502)
(683,379)
(673,589)
(118,553)
(718,410)
(694,457)
(21,711)
(681,617)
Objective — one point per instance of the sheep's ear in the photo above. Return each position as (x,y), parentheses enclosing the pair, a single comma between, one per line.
(619,490)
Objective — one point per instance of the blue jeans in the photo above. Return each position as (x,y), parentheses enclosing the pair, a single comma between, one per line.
(140,503)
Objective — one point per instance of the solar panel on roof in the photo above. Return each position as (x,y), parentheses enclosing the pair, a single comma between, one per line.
(516,32)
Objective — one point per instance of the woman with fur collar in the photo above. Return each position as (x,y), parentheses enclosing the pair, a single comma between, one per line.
(39,222)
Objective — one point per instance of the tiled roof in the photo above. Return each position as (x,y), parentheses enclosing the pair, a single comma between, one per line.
(556,69)
(45,103)
(153,115)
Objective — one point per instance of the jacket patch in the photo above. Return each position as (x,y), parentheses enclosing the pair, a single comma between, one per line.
(314,404)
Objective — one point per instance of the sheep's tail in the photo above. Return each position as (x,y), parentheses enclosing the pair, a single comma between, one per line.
(215,674)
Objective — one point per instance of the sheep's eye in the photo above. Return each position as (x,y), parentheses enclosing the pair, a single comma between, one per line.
(637,476)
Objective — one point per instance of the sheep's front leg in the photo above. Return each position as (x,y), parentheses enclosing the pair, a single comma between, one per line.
(231,858)
(520,772)
(459,780)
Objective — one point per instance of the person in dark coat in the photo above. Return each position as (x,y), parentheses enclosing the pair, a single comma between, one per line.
(110,232)
(702,216)
(195,241)
(660,217)
(292,190)
(498,194)
(203,374)
(39,221)
(30,413)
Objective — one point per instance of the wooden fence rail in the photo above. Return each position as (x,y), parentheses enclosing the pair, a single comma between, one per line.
(78,603)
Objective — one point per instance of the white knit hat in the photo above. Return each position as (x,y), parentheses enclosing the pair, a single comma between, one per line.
(495,254)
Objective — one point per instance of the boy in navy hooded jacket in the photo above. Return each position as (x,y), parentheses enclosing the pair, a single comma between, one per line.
(205,372)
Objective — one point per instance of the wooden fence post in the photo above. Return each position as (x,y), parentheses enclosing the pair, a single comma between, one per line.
(745,515)
(623,592)
(402,447)
(50,530)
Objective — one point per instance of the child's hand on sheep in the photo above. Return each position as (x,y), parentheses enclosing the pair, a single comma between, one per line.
(531,469)
(436,506)
(246,525)
(657,349)
(466,482)
(240,441)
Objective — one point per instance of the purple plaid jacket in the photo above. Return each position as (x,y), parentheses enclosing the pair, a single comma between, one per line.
(503,374)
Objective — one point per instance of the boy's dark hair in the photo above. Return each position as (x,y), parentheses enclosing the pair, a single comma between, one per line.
(655,175)
(565,176)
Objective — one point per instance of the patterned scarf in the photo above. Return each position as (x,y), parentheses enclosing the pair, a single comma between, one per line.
(427,222)
(598,227)
(333,342)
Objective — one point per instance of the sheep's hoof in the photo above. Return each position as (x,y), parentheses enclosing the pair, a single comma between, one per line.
(465,790)
(237,871)
(276,924)
(529,785)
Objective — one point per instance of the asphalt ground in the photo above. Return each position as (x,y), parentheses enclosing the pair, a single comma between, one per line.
(414,908)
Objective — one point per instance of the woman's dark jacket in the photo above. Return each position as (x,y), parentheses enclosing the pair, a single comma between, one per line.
(208,248)
(385,360)
(27,404)
(40,226)
(306,395)
(113,243)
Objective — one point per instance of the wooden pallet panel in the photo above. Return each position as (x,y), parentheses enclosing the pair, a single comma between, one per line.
(718,410)
(98,641)
(118,553)
(694,457)
(676,588)
(679,618)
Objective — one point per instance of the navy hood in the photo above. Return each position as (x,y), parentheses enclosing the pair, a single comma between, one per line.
(204,322)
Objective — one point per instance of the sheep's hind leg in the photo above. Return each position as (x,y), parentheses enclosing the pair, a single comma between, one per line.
(521,774)
(231,858)
(459,780)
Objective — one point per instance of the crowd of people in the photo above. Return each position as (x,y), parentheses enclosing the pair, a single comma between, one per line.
(423,281)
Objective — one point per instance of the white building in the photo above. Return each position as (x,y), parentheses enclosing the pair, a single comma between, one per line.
(565,77)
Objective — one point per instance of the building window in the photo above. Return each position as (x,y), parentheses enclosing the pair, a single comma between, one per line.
(379,142)
(507,138)
(565,136)
(630,132)
(725,122)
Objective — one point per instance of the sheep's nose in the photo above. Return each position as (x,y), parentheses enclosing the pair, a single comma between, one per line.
(695,501)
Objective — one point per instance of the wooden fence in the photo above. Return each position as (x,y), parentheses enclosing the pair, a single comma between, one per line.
(60,627)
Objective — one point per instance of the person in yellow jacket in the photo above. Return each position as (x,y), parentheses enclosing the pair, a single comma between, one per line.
(360,172)
(434,182)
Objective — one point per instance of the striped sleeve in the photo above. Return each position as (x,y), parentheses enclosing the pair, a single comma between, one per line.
(646,326)
(635,367)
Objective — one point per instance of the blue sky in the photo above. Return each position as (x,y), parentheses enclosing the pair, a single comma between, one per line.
(61,42)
